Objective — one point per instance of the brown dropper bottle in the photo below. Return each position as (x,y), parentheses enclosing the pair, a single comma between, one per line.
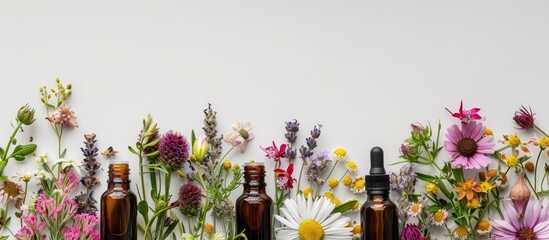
(378,215)
(118,205)
(254,208)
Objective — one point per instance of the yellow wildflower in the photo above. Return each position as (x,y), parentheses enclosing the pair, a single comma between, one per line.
(514,140)
(488,132)
(227,164)
(484,227)
(351,166)
(307,191)
(461,232)
(512,161)
(340,154)
(329,195)
(208,228)
(431,188)
(486,186)
(347,181)
(332,182)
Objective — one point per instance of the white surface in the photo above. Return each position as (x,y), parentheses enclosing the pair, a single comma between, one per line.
(363,70)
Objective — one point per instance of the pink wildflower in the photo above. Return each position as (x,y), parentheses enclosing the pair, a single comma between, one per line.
(466,115)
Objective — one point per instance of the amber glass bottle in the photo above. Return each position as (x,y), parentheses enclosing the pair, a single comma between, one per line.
(378,215)
(118,205)
(254,208)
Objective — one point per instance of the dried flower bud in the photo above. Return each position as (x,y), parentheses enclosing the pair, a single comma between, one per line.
(482,176)
(25,115)
(524,118)
(417,128)
(529,166)
(520,194)
(492,173)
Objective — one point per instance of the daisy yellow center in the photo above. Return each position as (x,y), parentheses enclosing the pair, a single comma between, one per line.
(351,166)
(243,133)
(415,208)
(347,180)
(544,142)
(512,161)
(26,177)
(340,152)
(484,226)
(439,216)
(467,147)
(332,182)
(527,234)
(431,188)
(467,186)
(461,232)
(486,186)
(360,183)
(307,192)
(310,230)
(357,229)
(329,195)
(514,140)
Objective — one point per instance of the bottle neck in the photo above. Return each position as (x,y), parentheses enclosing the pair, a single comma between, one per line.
(378,195)
(254,187)
(119,176)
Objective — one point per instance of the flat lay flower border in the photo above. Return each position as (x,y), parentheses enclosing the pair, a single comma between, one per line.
(469,197)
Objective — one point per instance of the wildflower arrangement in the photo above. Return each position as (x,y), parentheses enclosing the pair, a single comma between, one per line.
(209,179)
(467,194)
(297,212)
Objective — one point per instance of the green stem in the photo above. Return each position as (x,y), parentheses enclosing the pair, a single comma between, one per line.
(152,220)
(4,157)
(225,155)
(539,129)
(299,179)
(536,172)
(331,171)
(24,198)
(530,183)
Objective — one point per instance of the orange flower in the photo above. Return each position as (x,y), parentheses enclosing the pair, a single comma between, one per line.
(466,189)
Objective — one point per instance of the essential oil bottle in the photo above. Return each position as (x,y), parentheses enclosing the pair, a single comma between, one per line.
(378,215)
(118,205)
(254,208)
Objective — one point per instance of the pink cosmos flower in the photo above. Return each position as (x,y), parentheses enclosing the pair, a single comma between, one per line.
(274,153)
(468,146)
(284,177)
(466,115)
(534,224)
(63,115)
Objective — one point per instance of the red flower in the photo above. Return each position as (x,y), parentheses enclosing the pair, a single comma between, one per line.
(274,153)
(284,179)
(466,115)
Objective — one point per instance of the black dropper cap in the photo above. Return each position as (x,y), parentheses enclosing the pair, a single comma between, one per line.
(378,181)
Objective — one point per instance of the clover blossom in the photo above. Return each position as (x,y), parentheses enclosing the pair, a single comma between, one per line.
(189,201)
(64,116)
(174,149)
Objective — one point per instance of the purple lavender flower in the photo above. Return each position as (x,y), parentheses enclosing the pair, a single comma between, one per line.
(412,232)
(405,180)
(174,149)
(316,165)
(315,133)
(292,126)
(190,196)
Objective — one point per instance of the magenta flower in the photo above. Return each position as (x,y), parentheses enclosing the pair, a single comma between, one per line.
(466,115)
(189,201)
(534,224)
(468,146)
(284,179)
(412,232)
(63,115)
(274,153)
(174,149)
(524,118)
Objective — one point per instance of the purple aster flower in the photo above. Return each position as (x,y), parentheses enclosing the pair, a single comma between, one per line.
(189,202)
(412,232)
(524,118)
(174,149)
(534,224)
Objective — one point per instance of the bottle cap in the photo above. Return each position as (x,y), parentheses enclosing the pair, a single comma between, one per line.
(378,180)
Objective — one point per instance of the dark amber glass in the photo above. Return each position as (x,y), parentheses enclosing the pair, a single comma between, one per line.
(254,208)
(118,205)
(379,218)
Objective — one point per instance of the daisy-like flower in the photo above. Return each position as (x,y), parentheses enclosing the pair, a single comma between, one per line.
(466,189)
(12,191)
(43,175)
(359,185)
(241,136)
(307,192)
(227,164)
(431,188)
(468,146)
(208,228)
(439,217)
(484,227)
(486,186)
(41,159)
(461,232)
(466,115)
(311,220)
(414,209)
(67,164)
(25,176)
(284,179)
(534,224)
(340,154)
(329,195)
(333,183)
(63,115)
(347,180)
(357,230)
(351,166)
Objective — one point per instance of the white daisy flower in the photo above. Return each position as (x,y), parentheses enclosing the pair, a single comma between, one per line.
(70,163)
(42,159)
(311,219)
(25,176)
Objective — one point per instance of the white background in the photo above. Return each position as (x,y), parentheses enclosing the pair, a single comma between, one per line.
(365,70)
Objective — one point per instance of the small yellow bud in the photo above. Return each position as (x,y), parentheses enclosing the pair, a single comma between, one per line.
(336,201)
(208,228)
(227,164)
(306,192)
(236,166)
(514,140)
(347,180)
(431,188)
(332,182)
(329,195)
(488,132)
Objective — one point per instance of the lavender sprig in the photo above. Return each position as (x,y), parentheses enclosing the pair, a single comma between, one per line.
(210,130)
(292,127)
(307,151)
(84,200)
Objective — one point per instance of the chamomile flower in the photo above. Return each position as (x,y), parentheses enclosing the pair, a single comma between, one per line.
(439,217)
(42,159)
(461,232)
(414,209)
(311,220)
(347,181)
(359,185)
(484,227)
(340,154)
(68,164)
(351,166)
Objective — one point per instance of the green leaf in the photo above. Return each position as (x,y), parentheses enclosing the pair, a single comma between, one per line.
(426,178)
(24,150)
(153,143)
(170,228)
(1,151)
(139,146)
(142,207)
(4,237)
(458,173)
(63,153)
(153,195)
(19,157)
(345,207)
(18,214)
(433,208)
(132,150)
(3,178)
(152,155)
